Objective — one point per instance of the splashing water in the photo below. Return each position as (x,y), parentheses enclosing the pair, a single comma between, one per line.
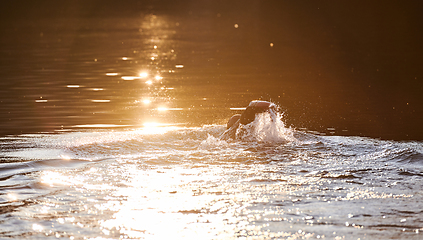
(267,127)
(212,143)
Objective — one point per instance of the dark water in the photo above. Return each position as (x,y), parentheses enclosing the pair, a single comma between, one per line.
(110,114)
(352,67)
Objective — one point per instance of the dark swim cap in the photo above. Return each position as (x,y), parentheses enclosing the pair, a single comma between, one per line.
(254,108)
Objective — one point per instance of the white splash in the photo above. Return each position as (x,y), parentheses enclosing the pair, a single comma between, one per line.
(212,143)
(267,127)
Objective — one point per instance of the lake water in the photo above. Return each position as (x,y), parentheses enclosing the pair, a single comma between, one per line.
(111,116)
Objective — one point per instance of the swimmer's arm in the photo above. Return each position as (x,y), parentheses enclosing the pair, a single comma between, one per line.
(230,133)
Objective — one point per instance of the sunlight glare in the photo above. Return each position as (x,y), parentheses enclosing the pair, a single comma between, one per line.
(143,74)
(142,217)
(12,197)
(156,128)
(158,77)
(129,78)
(37,227)
(111,74)
(55,178)
(149,82)
(151,124)
(97,89)
(65,157)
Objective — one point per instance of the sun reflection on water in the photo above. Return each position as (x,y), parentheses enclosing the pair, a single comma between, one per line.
(146,101)
(156,201)
(51,179)
(37,227)
(112,74)
(130,78)
(143,74)
(195,203)
(12,197)
(162,109)
(150,128)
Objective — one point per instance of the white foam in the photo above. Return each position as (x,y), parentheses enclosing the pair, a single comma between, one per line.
(212,143)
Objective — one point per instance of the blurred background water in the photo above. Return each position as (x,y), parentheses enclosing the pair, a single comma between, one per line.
(110,114)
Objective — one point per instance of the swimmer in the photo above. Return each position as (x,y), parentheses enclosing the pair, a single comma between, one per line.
(255,107)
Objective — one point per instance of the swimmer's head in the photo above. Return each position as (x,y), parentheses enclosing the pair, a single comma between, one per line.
(261,106)
(255,107)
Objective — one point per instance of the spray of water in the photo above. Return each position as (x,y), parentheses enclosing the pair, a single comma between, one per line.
(213,143)
(267,127)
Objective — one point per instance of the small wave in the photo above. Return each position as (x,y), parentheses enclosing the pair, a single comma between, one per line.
(212,143)
(400,154)
(409,156)
(340,176)
(11,169)
(409,173)
(267,180)
(368,149)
